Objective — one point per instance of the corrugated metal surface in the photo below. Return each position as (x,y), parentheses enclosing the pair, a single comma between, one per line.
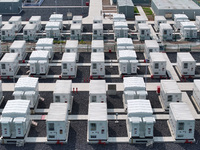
(97,87)
(97,112)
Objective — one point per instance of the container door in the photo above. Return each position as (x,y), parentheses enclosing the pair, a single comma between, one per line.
(6,129)
(61,132)
(32,67)
(42,67)
(135,130)
(149,130)
(51,131)
(64,68)
(123,67)
(142,130)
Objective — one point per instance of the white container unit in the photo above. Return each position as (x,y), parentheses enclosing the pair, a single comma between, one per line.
(29,32)
(0,20)
(97,64)
(57,18)
(158,20)
(140,119)
(1,92)
(8,32)
(97,46)
(97,128)
(138,20)
(151,46)
(197,22)
(57,125)
(134,88)
(158,64)
(39,62)
(71,46)
(178,18)
(169,92)
(119,18)
(186,64)
(120,29)
(15,120)
(20,48)
(77,20)
(27,88)
(17,21)
(182,122)
(98,19)
(53,30)
(125,44)
(144,32)
(76,32)
(9,64)
(47,45)
(97,91)
(128,62)
(36,20)
(188,30)
(97,31)
(196,92)
(68,64)
(165,32)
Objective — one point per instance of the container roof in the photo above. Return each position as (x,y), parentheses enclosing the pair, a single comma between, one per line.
(185,56)
(181,111)
(97,57)
(44,41)
(97,26)
(197,83)
(143,26)
(16,106)
(97,43)
(134,83)
(138,18)
(71,44)
(97,112)
(139,107)
(57,112)
(69,57)
(123,54)
(125,3)
(77,18)
(165,26)
(15,18)
(30,27)
(157,57)
(35,18)
(52,24)
(159,18)
(27,83)
(9,57)
(40,54)
(188,24)
(120,24)
(124,42)
(170,86)
(178,4)
(8,27)
(76,26)
(18,44)
(9,1)
(56,16)
(63,86)
(97,87)
(151,43)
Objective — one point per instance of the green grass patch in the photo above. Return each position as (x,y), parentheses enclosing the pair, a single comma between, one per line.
(136,10)
(147,10)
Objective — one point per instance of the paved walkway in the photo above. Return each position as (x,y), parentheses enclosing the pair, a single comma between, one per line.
(142,13)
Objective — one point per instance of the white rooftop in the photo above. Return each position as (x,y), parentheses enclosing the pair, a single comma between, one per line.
(63,86)
(44,42)
(76,26)
(181,111)
(9,57)
(185,56)
(97,26)
(77,18)
(15,18)
(134,83)
(69,57)
(56,16)
(151,44)
(18,44)
(71,44)
(35,18)
(16,107)
(97,112)
(120,24)
(58,112)
(140,18)
(97,57)
(52,24)
(139,108)
(97,87)
(26,83)
(124,42)
(123,54)
(165,26)
(143,26)
(39,54)
(157,57)
(188,24)
(180,16)
(170,86)
(97,43)
(8,27)
(30,27)
(178,4)
(160,18)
